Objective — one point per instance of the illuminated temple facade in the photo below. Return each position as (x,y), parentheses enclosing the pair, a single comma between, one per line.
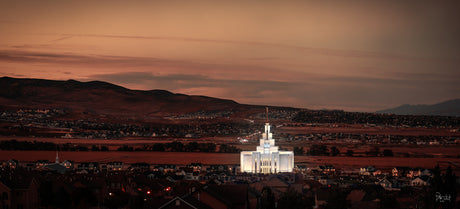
(267,158)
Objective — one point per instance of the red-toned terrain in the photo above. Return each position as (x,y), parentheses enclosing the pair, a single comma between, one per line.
(98,100)
(102,102)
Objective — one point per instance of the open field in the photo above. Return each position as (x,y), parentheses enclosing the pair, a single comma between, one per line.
(359,149)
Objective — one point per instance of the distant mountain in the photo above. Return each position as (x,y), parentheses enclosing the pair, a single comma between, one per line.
(448,108)
(102,98)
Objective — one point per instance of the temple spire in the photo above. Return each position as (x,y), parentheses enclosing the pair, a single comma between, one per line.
(57,157)
(267,113)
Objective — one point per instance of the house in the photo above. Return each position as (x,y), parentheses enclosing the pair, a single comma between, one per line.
(165,168)
(300,168)
(11,164)
(217,168)
(226,196)
(68,164)
(89,167)
(385,183)
(411,173)
(188,202)
(420,181)
(195,166)
(20,192)
(400,171)
(192,176)
(324,180)
(56,167)
(366,171)
(277,184)
(39,164)
(377,173)
(426,172)
(388,185)
(115,166)
(140,166)
(327,168)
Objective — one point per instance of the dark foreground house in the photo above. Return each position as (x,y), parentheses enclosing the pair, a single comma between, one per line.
(184,203)
(18,192)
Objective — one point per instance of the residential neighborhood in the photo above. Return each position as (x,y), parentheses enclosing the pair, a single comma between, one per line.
(44,184)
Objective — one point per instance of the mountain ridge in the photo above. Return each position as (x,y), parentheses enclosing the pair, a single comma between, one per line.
(446,108)
(103,98)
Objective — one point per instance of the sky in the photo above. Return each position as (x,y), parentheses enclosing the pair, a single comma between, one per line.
(349,55)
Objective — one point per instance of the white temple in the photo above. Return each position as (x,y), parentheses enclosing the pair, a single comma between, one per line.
(267,158)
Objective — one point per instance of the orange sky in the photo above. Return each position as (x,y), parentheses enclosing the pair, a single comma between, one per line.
(356,56)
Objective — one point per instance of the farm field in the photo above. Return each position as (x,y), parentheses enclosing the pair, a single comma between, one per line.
(435,150)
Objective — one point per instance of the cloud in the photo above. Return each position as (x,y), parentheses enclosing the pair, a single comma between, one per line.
(249,84)
(189,83)
(299,49)
(23,56)
(115,64)
(352,93)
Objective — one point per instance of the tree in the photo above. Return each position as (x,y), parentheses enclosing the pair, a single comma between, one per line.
(81,148)
(450,189)
(125,148)
(294,200)
(95,148)
(442,191)
(389,201)
(158,147)
(84,198)
(337,200)
(316,150)
(228,149)
(335,151)
(191,147)
(62,198)
(298,151)
(350,153)
(267,200)
(374,152)
(45,191)
(388,153)
(175,146)
(207,147)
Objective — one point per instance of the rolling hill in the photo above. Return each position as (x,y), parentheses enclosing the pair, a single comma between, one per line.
(96,97)
(447,108)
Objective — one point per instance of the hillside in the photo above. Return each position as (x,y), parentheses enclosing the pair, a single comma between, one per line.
(447,108)
(102,98)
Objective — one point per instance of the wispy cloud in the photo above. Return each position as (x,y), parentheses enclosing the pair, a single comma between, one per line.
(244,83)
(299,49)
(186,82)
(354,93)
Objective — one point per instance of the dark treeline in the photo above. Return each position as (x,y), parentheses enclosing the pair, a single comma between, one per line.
(323,150)
(339,116)
(180,147)
(44,146)
(159,147)
(26,145)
